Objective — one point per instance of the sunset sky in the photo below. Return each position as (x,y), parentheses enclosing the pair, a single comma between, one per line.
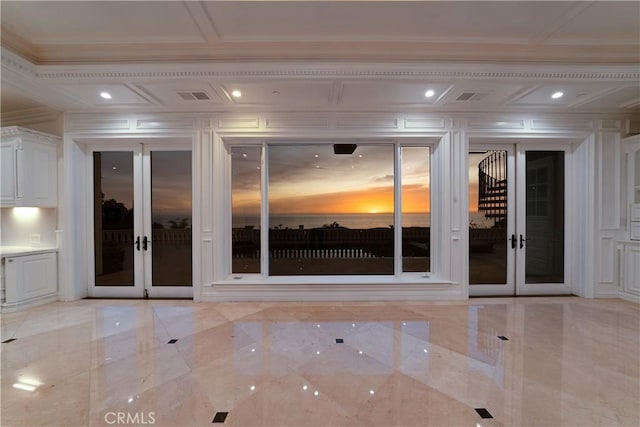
(171,180)
(299,181)
(312,179)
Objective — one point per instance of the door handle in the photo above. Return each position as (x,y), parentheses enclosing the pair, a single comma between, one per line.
(522,240)
(145,243)
(513,241)
(138,243)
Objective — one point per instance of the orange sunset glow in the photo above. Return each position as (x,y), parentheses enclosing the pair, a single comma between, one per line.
(314,180)
(415,199)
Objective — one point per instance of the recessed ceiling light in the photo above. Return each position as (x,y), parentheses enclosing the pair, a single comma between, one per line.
(557,95)
(429,93)
(236,93)
(105,95)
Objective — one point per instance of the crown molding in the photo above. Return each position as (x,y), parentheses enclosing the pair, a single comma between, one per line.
(14,62)
(24,49)
(8,131)
(322,69)
(333,70)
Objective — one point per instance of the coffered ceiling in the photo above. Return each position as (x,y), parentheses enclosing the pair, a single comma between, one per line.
(292,55)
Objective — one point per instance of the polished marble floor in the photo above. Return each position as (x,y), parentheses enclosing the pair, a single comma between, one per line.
(560,362)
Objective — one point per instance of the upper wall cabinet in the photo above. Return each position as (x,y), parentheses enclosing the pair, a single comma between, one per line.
(632,152)
(28,168)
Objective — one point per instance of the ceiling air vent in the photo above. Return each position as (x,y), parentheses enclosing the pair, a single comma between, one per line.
(471,96)
(194,96)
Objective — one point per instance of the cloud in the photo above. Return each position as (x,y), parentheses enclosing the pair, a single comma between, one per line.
(386,178)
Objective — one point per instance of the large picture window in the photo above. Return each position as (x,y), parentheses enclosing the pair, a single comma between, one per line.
(331,209)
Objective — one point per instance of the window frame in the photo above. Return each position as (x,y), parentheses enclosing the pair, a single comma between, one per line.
(437,166)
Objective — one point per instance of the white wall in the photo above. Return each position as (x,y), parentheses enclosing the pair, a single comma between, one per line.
(598,176)
(19,224)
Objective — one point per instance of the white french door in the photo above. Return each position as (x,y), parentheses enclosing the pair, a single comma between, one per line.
(518,231)
(142,242)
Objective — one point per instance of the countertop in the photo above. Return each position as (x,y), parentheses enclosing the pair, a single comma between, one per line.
(6,251)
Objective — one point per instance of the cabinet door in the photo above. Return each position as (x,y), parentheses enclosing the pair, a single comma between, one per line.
(29,277)
(631,279)
(38,172)
(8,170)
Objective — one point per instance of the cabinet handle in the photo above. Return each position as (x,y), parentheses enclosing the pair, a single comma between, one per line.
(513,241)
(522,240)
(145,243)
(138,243)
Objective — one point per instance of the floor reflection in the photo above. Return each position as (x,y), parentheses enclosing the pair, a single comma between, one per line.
(565,361)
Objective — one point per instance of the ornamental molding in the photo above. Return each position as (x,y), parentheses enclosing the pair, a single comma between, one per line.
(10,131)
(17,63)
(631,75)
(320,69)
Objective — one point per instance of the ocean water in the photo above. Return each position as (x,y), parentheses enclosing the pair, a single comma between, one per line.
(357,221)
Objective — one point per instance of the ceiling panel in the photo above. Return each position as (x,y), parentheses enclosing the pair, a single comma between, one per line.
(290,93)
(85,22)
(390,93)
(89,95)
(572,94)
(442,21)
(13,100)
(628,97)
(601,23)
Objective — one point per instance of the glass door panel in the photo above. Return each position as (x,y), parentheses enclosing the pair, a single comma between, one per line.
(491,257)
(171,218)
(116,259)
(167,240)
(542,234)
(113,218)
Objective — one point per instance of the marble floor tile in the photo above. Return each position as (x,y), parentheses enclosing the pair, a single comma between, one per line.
(566,361)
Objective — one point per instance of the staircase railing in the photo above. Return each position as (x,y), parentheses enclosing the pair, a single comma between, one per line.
(492,185)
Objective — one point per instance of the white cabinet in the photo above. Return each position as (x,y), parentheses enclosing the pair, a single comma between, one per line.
(632,158)
(630,269)
(29,280)
(28,161)
(629,250)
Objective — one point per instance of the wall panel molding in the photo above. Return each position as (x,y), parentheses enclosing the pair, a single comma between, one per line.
(319,121)
(559,124)
(367,121)
(610,180)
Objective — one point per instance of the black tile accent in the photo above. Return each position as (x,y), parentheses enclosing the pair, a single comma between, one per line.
(220,417)
(503,338)
(483,413)
(9,340)
(173,341)
(339,341)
